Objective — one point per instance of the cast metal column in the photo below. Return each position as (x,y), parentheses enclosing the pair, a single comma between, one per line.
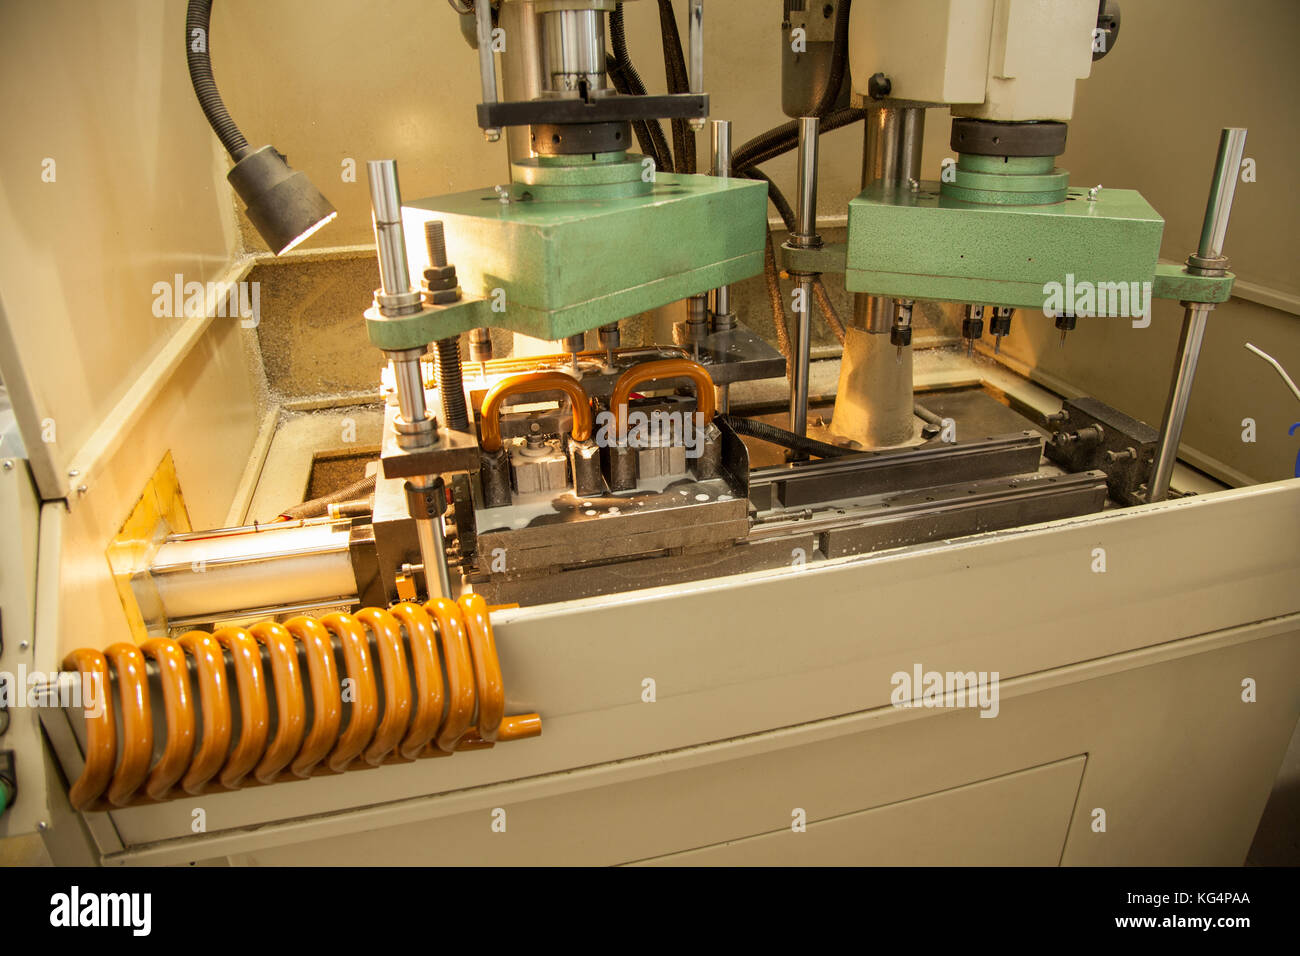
(1207,260)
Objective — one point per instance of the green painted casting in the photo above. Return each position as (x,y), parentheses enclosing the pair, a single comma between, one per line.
(1175,282)
(923,245)
(827,258)
(429,325)
(1007,180)
(552,269)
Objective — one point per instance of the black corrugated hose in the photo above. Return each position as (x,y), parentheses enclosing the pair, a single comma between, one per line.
(784,138)
(649,134)
(320,506)
(678,82)
(198,47)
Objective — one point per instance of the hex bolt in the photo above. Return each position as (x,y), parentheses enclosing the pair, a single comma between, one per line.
(437,241)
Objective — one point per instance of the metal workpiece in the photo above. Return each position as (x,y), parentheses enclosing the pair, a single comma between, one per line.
(573,52)
(533,383)
(487,67)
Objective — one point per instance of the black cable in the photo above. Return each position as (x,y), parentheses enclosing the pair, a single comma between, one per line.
(839,59)
(198,55)
(779,436)
(779,202)
(782,139)
(649,134)
(678,82)
(624,70)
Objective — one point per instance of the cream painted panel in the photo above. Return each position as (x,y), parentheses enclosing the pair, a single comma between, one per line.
(1149,732)
(207,419)
(1015,820)
(102,90)
(806,645)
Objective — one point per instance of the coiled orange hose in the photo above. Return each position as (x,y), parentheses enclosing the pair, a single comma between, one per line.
(402,709)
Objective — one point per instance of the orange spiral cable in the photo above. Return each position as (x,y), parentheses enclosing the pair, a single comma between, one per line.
(436,689)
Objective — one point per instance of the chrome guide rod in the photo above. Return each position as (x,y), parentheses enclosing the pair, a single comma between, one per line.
(806,234)
(1227,165)
(723,319)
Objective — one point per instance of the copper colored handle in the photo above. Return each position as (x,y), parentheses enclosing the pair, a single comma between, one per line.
(101,732)
(290,705)
(656,371)
(178,710)
(490,414)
